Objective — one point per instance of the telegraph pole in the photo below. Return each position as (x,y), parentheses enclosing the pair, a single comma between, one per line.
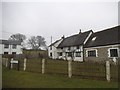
(51,39)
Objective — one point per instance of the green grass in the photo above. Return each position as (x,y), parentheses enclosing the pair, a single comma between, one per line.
(84,69)
(21,79)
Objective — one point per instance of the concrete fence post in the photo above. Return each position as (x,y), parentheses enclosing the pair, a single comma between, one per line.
(43,66)
(69,68)
(6,62)
(108,71)
(11,64)
(24,68)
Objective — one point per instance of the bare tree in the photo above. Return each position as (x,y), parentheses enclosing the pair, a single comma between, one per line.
(18,37)
(37,42)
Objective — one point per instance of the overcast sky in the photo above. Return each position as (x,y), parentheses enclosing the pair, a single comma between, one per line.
(57,18)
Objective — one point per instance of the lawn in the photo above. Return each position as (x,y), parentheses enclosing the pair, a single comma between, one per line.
(84,70)
(22,79)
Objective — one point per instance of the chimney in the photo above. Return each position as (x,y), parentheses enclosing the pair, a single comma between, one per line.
(80,31)
(63,37)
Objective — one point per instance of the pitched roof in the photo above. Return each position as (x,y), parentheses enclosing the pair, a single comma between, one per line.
(74,40)
(105,37)
(54,42)
(10,42)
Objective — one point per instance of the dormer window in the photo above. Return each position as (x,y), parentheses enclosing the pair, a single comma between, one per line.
(94,38)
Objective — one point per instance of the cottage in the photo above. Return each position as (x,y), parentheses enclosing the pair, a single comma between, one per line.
(88,46)
(103,45)
(71,47)
(10,47)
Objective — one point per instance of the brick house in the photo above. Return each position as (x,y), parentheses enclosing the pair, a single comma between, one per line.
(103,45)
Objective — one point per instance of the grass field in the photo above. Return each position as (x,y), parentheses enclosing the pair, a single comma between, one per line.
(60,67)
(21,79)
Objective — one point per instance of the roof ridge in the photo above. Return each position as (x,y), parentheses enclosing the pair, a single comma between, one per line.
(79,34)
(107,29)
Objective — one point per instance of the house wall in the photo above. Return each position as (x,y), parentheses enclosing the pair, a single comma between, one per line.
(102,53)
(54,50)
(0,48)
(73,48)
(18,49)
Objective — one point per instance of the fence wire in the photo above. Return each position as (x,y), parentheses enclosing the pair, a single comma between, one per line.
(60,67)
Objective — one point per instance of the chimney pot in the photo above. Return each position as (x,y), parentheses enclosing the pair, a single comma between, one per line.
(80,31)
(63,37)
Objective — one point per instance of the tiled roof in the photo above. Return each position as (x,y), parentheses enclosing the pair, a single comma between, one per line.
(10,42)
(74,40)
(109,36)
(54,42)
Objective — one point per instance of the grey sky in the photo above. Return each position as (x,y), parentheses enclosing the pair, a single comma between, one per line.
(56,19)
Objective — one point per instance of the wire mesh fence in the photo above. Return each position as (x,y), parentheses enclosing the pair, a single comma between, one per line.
(33,65)
(89,70)
(56,67)
(60,67)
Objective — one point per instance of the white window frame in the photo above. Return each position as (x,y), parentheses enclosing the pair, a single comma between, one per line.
(6,52)
(6,45)
(51,54)
(68,54)
(109,52)
(92,50)
(77,55)
(60,53)
(14,53)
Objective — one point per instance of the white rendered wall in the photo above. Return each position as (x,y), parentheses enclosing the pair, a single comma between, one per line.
(18,49)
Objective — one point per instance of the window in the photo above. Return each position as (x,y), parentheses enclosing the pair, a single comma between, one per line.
(61,47)
(5,52)
(69,54)
(78,54)
(113,52)
(69,48)
(92,53)
(13,52)
(94,38)
(50,54)
(14,46)
(60,54)
(6,46)
(78,47)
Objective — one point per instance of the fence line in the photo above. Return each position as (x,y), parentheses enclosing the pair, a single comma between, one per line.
(108,71)
(43,66)
(11,64)
(6,62)
(70,68)
(24,67)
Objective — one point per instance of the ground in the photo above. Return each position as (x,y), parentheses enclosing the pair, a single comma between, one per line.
(23,79)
